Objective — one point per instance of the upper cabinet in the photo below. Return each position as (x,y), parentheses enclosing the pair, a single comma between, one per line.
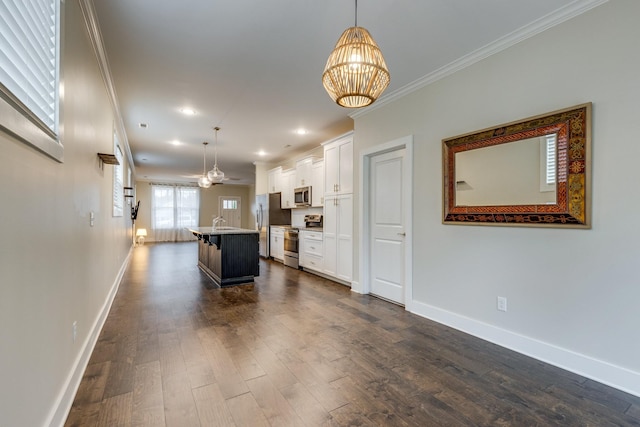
(338,166)
(275,180)
(303,172)
(287,184)
(317,183)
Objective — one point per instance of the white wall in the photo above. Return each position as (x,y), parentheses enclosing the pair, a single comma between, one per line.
(54,268)
(573,295)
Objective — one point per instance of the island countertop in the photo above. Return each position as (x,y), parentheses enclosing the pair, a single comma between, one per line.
(210,231)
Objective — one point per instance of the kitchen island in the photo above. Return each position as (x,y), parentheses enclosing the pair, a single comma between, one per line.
(229,255)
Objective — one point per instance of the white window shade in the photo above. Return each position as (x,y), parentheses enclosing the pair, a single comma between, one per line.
(29,57)
(551,158)
(173,209)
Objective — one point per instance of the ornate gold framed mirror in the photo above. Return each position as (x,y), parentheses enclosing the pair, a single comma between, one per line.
(533,172)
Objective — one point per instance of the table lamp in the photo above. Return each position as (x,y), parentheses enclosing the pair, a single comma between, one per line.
(141,233)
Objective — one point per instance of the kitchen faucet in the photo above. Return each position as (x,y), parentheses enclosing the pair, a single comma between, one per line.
(217,220)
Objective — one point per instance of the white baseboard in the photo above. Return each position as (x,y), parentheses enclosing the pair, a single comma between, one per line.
(355,287)
(62,406)
(604,372)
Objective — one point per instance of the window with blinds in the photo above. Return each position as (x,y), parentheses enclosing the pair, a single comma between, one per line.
(551,158)
(29,70)
(548,163)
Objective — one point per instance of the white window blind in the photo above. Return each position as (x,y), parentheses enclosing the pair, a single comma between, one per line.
(118,179)
(551,159)
(29,57)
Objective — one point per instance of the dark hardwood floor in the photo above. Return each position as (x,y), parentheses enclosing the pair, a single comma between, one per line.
(294,349)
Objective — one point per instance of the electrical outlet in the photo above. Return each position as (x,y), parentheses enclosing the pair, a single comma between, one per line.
(75,330)
(502,304)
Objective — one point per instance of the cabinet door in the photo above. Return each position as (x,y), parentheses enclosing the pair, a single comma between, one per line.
(288,182)
(345,182)
(275,180)
(284,190)
(277,243)
(344,261)
(301,254)
(303,173)
(338,236)
(330,231)
(338,167)
(273,243)
(331,169)
(317,184)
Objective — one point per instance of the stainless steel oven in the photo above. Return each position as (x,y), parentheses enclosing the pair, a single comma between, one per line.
(291,247)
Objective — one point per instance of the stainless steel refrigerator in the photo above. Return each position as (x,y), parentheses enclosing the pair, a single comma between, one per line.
(269,212)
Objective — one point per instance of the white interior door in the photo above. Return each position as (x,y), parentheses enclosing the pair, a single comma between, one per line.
(230,210)
(387,225)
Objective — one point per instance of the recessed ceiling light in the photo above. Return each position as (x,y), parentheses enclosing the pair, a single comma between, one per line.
(175,142)
(262,153)
(301,131)
(188,111)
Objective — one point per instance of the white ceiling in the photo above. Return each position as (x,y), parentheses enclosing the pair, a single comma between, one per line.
(253,67)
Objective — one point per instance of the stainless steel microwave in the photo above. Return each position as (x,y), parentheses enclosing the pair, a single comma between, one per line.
(302,196)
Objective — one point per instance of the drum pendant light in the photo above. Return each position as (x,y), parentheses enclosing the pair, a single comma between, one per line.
(356,73)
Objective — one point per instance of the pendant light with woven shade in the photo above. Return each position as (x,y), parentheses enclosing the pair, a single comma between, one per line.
(356,73)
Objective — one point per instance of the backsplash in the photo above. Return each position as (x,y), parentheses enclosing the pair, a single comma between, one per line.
(297,215)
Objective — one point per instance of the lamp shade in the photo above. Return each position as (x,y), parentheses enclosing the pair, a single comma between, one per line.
(141,232)
(356,73)
(204,182)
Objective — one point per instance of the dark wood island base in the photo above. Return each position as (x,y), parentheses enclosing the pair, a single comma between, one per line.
(229,256)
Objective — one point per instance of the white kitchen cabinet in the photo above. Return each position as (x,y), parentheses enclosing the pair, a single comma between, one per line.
(276,243)
(311,250)
(338,166)
(275,179)
(287,184)
(338,236)
(317,183)
(303,172)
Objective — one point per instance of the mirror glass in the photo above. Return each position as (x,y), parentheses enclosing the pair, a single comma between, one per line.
(533,172)
(518,173)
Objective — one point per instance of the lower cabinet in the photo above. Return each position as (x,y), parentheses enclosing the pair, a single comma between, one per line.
(338,236)
(230,258)
(276,243)
(311,250)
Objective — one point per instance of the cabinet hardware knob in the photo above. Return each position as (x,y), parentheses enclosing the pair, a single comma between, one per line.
(402,234)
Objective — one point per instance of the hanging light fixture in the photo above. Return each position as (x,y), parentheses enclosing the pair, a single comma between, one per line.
(355,74)
(204,181)
(215,175)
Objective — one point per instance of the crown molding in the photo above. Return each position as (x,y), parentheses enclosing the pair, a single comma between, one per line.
(550,20)
(93,30)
